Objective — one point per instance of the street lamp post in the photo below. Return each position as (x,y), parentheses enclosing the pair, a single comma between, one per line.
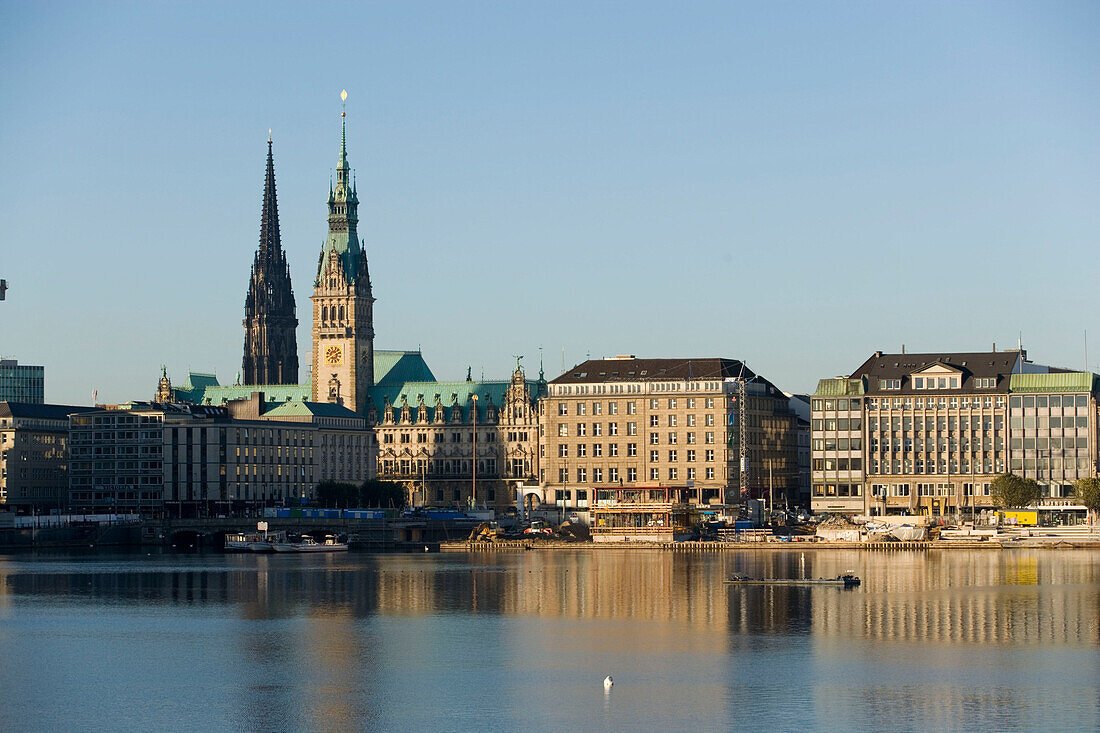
(473,483)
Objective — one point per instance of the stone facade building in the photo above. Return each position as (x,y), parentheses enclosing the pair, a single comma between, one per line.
(34,455)
(460,443)
(927,433)
(187,460)
(270,344)
(626,421)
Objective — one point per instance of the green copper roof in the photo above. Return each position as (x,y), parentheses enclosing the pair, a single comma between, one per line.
(1057,382)
(401,366)
(840,388)
(199,380)
(448,393)
(309,409)
(272,393)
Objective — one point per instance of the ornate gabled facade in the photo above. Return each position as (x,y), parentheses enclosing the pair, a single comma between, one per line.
(343,305)
(270,345)
(430,434)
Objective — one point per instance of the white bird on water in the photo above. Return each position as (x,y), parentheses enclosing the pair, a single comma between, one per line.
(607,682)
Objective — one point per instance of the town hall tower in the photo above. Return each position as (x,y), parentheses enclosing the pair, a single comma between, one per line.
(343,306)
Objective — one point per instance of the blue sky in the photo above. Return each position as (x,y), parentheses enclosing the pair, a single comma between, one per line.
(794,184)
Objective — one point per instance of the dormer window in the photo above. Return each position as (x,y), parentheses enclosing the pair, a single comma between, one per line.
(889,384)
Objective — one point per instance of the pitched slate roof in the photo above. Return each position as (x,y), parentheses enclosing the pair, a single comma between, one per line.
(39,411)
(651,370)
(972,365)
(655,370)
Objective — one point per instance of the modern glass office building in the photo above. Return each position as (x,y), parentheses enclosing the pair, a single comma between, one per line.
(22,382)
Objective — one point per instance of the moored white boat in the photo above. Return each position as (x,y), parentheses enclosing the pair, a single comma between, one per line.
(241,541)
(308,544)
(267,541)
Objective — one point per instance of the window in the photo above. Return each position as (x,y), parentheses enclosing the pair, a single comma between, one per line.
(563,451)
(709,403)
(672,438)
(631,449)
(654,456)
(708,419)
(597,450)
(612,474)
(672,473)
(632,428)
(654,438)
(708,438)
(562,478)
(563,430)
(632,474)
(597,428)
(709,455)
(612,450)
(691,455)
(581,429)
(889,384)
(631,407)
(581,408)
(654,421)
(710,472)
(691,438)
(582,450)
(596,408)
(582,474)
(691,421)
(613,428)
(563,408)
(672,403)
(691,474)
(597,476)
(654,474)
(612,408)
(654,404)
(691,403)
(672,456)
(672,421)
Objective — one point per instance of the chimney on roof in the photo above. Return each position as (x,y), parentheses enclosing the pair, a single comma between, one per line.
(903,348)
(878,354)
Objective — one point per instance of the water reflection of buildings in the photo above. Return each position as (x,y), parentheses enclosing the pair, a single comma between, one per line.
(981,596)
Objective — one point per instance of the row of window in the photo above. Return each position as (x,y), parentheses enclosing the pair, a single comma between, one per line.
(457,436)
(597,408)
(631,475)
(934,403)
(940,422)
(931,467)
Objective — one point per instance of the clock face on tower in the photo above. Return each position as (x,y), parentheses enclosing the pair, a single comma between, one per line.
(334,355)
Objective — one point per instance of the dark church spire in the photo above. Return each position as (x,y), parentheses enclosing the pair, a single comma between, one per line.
(270,346)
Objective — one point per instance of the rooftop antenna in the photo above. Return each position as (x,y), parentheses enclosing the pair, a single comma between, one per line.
(563,359)
(1086,349)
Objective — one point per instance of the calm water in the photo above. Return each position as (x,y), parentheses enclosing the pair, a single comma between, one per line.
(939,640)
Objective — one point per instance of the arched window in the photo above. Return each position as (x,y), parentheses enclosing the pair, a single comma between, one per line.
(324,313)
(341,314)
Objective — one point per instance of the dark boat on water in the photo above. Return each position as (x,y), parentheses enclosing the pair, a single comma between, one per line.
(845,581)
